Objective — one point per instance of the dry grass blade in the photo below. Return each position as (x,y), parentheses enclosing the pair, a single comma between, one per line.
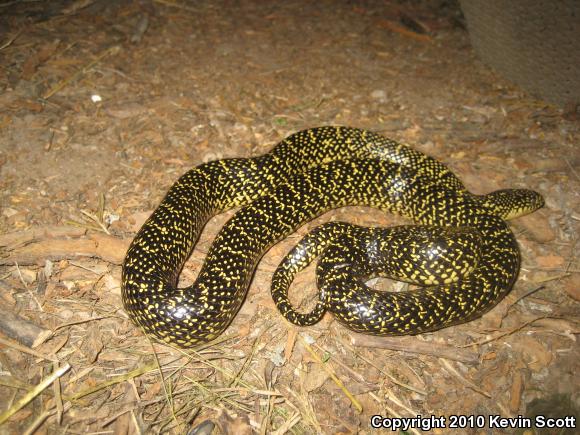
(392,412)
(177,5)
(288,424)
(80,322)
(42,418)
(118,379)
(57,396)
(245,365)
(400,404)
(63,83)
(28,397)
(168,396)
(98,220)
(77,6)
(23,281)
(464,381)
(11,39)
(196,356)
(186,394)
(381,370)
(21,348)
(94,221)
(85,225)
(305,408)
(10,381)
(333,376)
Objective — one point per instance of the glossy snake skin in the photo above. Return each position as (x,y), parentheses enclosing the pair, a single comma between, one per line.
(305,175)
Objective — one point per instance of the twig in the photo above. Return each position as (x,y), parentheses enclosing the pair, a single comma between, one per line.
(80,322)
(523,296)
(234,382)
(191,353)
(412,345)
(508,332)
(554,278)
(307,412)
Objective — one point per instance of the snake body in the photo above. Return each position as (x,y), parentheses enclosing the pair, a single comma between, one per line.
(305,175)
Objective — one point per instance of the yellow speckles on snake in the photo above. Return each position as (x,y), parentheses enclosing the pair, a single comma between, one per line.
(305,175)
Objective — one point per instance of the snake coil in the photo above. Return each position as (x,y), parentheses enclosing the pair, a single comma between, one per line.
(305,175)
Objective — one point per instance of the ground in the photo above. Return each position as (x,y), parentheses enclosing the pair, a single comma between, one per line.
(104,104)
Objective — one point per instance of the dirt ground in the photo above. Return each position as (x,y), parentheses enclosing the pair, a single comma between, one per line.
(104,104)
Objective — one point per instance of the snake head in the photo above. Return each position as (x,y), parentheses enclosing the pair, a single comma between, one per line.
(512,203)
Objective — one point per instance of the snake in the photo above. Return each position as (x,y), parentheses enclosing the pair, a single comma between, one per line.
(306,174)
(350,255)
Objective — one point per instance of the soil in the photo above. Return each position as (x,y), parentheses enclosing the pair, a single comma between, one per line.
(104,104)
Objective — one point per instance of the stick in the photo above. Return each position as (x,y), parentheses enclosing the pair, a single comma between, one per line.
(412,345)
(22,330)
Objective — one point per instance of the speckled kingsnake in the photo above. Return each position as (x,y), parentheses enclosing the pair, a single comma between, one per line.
(305,175)
(348,255)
